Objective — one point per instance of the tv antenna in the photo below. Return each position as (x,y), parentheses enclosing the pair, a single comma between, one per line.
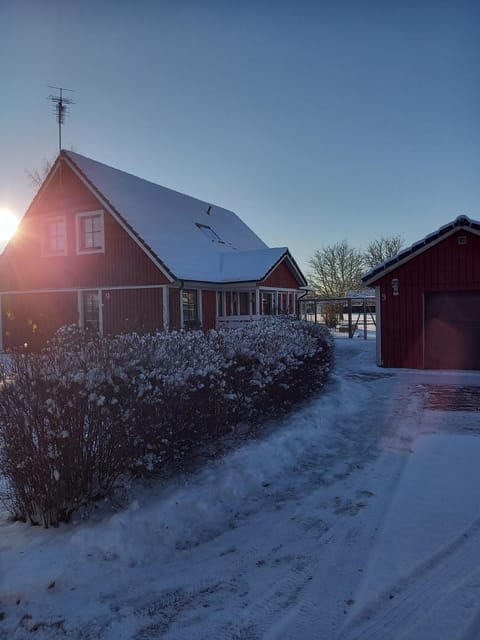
(61,105)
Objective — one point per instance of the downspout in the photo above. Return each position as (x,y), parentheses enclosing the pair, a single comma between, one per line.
(298,302)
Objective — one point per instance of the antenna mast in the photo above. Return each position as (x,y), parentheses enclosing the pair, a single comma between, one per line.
(61,104)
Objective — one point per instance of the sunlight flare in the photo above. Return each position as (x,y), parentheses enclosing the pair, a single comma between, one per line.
(8,224)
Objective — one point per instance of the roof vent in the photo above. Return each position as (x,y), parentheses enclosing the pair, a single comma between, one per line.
(463,220)
(462,239)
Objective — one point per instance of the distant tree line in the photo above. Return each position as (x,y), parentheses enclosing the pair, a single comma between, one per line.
(337,268)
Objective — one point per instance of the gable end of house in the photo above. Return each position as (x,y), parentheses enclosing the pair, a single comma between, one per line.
(119,217)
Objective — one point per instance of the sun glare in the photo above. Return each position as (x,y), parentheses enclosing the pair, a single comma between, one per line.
(8,224)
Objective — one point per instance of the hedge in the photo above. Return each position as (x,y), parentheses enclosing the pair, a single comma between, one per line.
(87,409)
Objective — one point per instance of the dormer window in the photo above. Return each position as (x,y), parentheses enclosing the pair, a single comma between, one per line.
(90,236)
(209,233)
(54,237)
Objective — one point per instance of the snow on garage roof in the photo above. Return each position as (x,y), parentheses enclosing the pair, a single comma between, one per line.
(195,240)
(460,222)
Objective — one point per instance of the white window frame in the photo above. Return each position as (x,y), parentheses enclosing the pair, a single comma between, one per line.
(198,293)
(78,227)
(82,311)
(46,251)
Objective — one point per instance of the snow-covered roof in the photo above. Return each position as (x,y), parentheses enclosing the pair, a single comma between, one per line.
(244,265)
(193,239)
(361,293)
(461,222)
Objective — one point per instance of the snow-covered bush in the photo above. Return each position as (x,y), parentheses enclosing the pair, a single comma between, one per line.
(273,364)
(87,409)
(177,394)
(64,426)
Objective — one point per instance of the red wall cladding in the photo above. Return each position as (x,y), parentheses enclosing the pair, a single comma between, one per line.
(209,309)
(123,263)
(139,310)
(282,278)
(446,266)
(33,318)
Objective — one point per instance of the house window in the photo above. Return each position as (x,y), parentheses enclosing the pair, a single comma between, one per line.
(244,303)
(90,236)
(239,303)
(268,303)
(190,306)
(253,303)
(220,307)
(55,237)
(234,303)
(91,311)
(291,303)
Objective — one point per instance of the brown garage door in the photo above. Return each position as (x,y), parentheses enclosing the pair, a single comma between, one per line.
(452,330)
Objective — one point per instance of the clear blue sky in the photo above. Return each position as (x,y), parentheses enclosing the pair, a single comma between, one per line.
(314,121)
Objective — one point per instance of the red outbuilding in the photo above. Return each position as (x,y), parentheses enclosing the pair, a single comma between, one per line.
(113,253)
(428,301)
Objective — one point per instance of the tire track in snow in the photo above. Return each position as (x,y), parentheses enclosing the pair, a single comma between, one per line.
(405,603)
(318,468)
(282,594)
(340,557)
(292,605)
(401,423)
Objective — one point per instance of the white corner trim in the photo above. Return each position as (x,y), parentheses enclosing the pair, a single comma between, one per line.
(378,327)
(166,307)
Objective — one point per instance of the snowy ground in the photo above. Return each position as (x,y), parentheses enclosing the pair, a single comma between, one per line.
(357,517)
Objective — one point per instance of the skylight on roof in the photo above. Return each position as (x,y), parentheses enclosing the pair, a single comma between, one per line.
(209,233)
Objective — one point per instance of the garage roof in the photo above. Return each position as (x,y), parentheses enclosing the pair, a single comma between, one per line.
(461,222)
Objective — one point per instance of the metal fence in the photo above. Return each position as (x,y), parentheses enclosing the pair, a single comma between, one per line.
(352,316)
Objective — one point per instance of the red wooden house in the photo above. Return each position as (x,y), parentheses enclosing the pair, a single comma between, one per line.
(114,253)
(428,301)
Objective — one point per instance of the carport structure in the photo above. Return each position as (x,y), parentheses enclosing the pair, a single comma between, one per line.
(428,301)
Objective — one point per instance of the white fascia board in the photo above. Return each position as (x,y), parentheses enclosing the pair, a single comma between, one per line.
(284,258)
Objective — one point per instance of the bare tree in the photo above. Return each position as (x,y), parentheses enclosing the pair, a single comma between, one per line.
(382,249)
(336,269)
(37,176)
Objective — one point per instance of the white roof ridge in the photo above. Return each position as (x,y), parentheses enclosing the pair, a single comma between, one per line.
(207,203)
